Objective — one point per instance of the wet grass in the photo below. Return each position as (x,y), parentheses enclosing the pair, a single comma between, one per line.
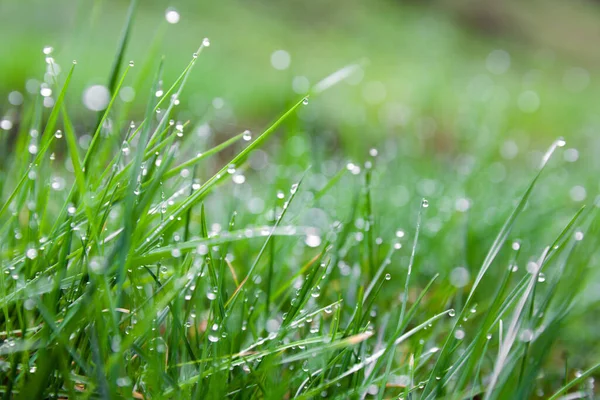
(151,261)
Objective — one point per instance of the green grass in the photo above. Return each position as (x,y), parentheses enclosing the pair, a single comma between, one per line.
(158,259)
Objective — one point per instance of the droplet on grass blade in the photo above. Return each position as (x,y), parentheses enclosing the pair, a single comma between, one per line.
(32,253)
(125,148)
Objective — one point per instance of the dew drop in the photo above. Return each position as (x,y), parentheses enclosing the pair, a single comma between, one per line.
(312,240)
(213,338)
(305,101)
(32,253)
(388,277)
(247,135)
(451,312)
(125,148)
(316,291)
(206,42)
(424,203)
(172,16)
(96,97)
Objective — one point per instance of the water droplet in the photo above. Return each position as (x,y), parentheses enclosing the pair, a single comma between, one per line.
(6,124)
(305,101)
(388,277)
(526,335)
(58,134)
(96,97)
(312,240)
(541,277)
(213,338)
(46,92)
(206,42)
(125,148)
(488,336)
(400,233)
(424,203)
(560,142)
(451,312)
(578,235)
(239,179)
(32,253)
(516,245)
(459,334)
(172,16)
(459,277)
(47,50)
(316,291)
(247,135)
(202,249)
(131,63)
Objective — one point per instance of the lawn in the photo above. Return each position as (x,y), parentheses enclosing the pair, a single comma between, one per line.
(369,201)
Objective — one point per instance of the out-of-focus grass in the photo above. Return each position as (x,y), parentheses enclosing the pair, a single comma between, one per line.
(424,60)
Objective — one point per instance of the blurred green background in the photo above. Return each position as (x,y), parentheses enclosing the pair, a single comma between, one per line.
(432,58)
(461,99)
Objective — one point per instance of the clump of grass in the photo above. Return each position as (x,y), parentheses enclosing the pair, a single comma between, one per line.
(126,286)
